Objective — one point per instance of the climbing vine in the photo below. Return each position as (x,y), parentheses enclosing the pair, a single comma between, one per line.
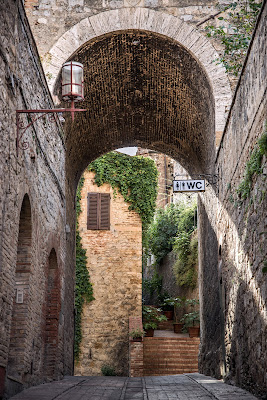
(253,167)
(83,287)
(174,228)
(237,24)
(167,224)
(135,178)
(186,248)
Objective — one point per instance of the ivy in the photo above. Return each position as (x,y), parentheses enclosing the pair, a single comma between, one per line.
(83,287)
(253,166)
(235,32)
(153,285)
(135,178)
(186,248)
(168,222)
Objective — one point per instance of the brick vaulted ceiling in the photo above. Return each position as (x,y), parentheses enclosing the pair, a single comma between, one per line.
(143,89)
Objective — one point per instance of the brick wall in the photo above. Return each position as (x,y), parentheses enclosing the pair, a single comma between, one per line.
(115,267)
(32,212)
(136,349)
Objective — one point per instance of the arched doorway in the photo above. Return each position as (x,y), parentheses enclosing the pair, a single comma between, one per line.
(52,307)
(19,362)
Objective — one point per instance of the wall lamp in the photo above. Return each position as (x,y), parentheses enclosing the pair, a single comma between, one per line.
(72,91)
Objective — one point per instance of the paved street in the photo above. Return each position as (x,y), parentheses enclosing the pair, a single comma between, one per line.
(182,387)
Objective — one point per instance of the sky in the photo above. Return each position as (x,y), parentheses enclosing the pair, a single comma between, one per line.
(131,151)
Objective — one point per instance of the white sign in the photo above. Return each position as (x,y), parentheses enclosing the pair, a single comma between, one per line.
(189,186)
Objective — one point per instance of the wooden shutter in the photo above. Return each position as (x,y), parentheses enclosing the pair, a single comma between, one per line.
(104,214)
(98,211)
(92,220)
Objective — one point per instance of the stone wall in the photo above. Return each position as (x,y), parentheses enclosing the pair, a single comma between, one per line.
(234,288)
(115,267)
(32,223)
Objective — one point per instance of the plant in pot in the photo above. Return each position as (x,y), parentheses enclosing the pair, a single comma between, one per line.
(178,324)
(167,306)
(137,335)
(151,317)
(191,323)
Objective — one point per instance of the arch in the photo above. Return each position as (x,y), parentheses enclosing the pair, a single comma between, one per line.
(152,21)
(18,363)
(142,89)
(52,311)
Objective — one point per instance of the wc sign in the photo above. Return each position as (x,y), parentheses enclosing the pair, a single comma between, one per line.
(189,186)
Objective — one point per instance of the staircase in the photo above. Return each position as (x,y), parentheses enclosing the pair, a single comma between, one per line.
(170,355)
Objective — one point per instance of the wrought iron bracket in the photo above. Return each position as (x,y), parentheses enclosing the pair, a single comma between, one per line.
(21,128)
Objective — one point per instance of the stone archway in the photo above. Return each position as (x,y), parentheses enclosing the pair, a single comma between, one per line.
(152,21)
(19,358)
(143,88)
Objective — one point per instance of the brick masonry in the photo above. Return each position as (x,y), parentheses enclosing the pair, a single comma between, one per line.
(136,349)
(32,209)
(115,266)
(169,20)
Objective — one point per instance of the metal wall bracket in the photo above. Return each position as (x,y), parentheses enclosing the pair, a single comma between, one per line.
(21,128)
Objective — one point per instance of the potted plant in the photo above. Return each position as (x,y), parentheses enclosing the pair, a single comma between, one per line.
(137,335)
(191,318)
(168,307)
(191,323)
(177,324)
(151,317)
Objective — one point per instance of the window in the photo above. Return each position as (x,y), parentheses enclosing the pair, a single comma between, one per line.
(98,214)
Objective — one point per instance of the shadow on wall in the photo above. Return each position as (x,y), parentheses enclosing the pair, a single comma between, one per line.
(240,359)
(211,357)
(245,332)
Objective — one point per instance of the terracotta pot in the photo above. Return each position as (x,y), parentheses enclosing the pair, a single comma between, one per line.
(194,331)
(169,314)
(177,327)
(150,332)
(137,339)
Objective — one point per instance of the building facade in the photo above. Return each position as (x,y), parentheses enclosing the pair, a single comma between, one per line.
(114,261)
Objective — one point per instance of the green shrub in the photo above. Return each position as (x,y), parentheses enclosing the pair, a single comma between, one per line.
(107,370)
(185,267)
(167,223)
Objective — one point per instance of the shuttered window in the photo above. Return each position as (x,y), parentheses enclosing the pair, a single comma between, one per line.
(98,214)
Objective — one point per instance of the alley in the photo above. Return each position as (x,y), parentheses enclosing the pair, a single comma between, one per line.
(182,387)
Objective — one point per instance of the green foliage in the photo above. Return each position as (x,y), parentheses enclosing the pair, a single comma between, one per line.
(253,166)
(186,248)
(167,223)
(153,285)
(134,177)
(83,287)
(151,317)
(235,33)
(137,333)
(107,370)
(190,319)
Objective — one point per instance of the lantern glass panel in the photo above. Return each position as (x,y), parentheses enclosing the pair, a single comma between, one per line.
(72,81)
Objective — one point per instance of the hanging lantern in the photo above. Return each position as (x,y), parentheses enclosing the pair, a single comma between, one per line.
(72,81)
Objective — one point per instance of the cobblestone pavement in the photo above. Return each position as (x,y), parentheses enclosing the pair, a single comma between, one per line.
(181,387)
